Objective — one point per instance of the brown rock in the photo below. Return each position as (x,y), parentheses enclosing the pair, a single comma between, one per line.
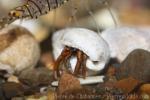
(11,89)
(127,84)
(51,95)
(145,89)
(36,77)
(68,82)
(111,71)
(136,65)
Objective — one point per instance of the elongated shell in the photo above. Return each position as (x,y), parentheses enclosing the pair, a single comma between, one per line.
(85,40)
(18,49)
(123,40)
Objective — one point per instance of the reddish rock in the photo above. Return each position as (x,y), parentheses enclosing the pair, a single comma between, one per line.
(127,84)
(68,82)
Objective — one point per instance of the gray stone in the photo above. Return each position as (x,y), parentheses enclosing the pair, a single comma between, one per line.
(136,65)
(36,77)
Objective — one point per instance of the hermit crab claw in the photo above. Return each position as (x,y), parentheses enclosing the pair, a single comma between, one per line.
(123,40)
(83,48)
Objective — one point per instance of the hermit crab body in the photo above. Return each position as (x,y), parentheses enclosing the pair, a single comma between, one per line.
(18,49)
(123,40)
(83,47)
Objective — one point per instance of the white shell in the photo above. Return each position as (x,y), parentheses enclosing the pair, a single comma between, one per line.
(123,40)
(23,53)
(85,40)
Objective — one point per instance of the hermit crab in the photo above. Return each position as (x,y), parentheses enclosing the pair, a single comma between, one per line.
(18,49)
(123,40)
(83,48)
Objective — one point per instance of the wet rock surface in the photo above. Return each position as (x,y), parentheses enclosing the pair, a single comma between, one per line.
(137,65)
(36,77)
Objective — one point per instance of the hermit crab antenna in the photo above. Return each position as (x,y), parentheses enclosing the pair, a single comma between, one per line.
(91,14)
(74,12)
(54,17)
(73,17)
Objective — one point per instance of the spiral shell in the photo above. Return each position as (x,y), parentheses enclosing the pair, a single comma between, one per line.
(85,40)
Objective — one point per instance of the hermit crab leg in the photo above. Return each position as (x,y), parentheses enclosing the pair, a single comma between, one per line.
(67,57)
(65,54)
(79,62)
(84,69)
